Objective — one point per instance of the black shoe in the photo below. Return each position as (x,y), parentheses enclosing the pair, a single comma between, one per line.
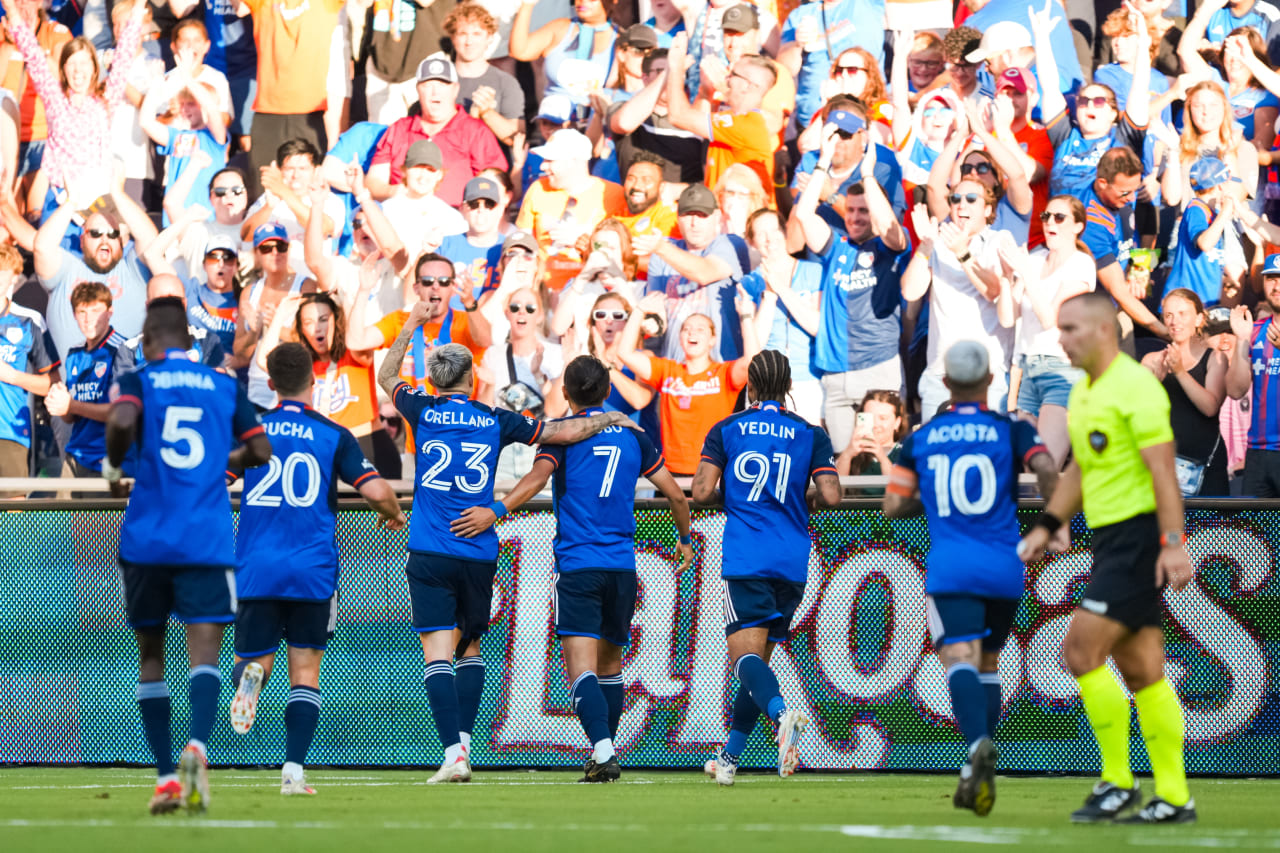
(977,788)
(1162,811)
(609,771)
(1106,802)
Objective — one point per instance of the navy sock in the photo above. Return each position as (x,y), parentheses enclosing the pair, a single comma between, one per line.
(991,686)
(203,684)
(443,696)
(469,681)
(300,718)
(153,702)
(968,701)
(745,714)
(754,674)
(237,672)
(589,705)
(615,696)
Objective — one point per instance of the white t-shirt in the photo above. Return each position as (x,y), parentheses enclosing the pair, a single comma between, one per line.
(422,223)
(958,312)
(387,295)
(495,362)
(1033,338)
(196,239)
(128,142)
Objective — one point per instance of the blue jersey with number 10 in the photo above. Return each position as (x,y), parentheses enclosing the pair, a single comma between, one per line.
(179,513)
(767,455)
(967,461)
(458,442)
(285,547)
(594,493)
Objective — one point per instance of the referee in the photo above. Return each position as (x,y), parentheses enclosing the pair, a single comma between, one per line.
(1123,472)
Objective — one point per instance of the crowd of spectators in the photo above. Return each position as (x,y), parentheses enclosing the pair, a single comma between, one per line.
(669,185)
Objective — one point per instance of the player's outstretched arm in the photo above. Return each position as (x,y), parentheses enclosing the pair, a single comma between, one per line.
(706,484)
(1064,503)
(475,520)
(389,373)
(379,495)
(827,490)
(573,430)
(665,483)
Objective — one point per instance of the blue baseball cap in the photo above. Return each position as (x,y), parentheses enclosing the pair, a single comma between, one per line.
(270,231)
(846,121)
(1272,265)
(1208,172)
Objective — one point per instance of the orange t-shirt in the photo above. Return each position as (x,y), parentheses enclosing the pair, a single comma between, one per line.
(1034,142)
(457,331)
(543,207)
(689,405)
(293,39)
(34,126)
(743,138)
(344,393)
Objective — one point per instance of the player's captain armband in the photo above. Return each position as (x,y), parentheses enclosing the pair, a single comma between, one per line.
(902,482)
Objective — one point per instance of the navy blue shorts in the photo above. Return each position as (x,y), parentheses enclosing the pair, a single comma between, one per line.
(595,604)
(761,603)
(192,593)
(958,618)
(449,592)
(261,623)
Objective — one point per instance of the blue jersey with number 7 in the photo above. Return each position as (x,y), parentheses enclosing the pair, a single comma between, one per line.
(767,456)
(967,462)
(179,513)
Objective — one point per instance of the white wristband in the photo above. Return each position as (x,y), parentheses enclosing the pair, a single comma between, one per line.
(110,473)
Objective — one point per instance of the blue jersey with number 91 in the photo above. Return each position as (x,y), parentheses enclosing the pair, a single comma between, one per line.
(457,445)
(967,462)
(767,456)
(179,513)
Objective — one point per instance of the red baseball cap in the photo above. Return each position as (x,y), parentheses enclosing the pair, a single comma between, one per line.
(1017,78)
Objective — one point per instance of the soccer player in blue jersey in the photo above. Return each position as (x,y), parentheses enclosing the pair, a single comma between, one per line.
(451,576)
(177,553)
(287,559)
(961,470)
(595,587)
(766,457)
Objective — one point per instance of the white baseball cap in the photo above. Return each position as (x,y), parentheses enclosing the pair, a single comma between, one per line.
(999,37)
(566,144)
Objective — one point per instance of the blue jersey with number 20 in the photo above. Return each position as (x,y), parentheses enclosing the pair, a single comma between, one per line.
(179,513)
(967,461)
(767,455)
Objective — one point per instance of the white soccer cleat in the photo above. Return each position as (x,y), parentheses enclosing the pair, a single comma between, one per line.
(789,727)
(458,771)
(290,786)
(721,769)
(193,773)
(244,707)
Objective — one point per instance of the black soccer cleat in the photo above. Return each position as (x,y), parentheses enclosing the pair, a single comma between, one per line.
(609,771)
(1163,811)
(977,787)
(1106,802)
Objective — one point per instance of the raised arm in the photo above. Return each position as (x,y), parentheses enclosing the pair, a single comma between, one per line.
(389,373)
(817,233)
(629,339)
(633,111)
(918,275)
(1051,101)
(680,112)
(1239,373)
(939,183)
(526,46)
(1193,37)
(313,253)
(884,222)
(135,218)
(1138,106)
(750,338)
(47,246)
(1017,186)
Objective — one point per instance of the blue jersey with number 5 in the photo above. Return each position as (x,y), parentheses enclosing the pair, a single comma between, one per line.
(179,513)
(767,456)
(457,445)
(285,546)
(594,492)
(967,462)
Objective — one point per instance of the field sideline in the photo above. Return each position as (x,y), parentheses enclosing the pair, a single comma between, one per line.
(51,809)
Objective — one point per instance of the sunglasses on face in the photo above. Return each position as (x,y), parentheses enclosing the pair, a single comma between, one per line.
(391,421)
(476,204)
(98,234)
(970,198)
(850,70)
(980,168)
(220,192)
(222,256)
(933,111)
(1056,217)
(1098,101)
(273,246)
(528,309)
(602,314)
(435,280)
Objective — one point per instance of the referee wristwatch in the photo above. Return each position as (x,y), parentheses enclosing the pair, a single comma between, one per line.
(1173,539)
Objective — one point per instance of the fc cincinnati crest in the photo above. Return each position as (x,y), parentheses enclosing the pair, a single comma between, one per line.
(866,259)
(14,334)
(100,369)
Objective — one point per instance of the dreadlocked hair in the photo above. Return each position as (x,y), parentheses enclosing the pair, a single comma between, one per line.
(770,375)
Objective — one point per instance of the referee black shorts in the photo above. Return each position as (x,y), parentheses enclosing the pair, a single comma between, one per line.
(1122,586)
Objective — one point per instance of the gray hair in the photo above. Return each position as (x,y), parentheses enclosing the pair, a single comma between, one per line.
(448,364)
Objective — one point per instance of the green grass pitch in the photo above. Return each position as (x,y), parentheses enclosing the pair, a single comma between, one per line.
(104,810)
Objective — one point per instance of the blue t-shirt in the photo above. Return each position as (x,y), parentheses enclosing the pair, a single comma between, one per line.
(967,461)
(785,335)
(1075,159)
(1244,104)
(285,547)
(206,348)
(476,262)
(1262,16)
(861,304)
(180,148)
(358,143)
(1107,232)
(1061,39)
(127,281)
(664,38)
(1196,270)
(594,492)
(1264,415)
(715,299)
(847,23)
(457,446)
(190,417)
(888,175)
(233,50)
(89,376)
(213,312)
(22,347)
(1120,81)
(767,456)
(1012,222)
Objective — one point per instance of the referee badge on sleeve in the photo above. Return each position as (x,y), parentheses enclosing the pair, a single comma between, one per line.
(1098,440)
